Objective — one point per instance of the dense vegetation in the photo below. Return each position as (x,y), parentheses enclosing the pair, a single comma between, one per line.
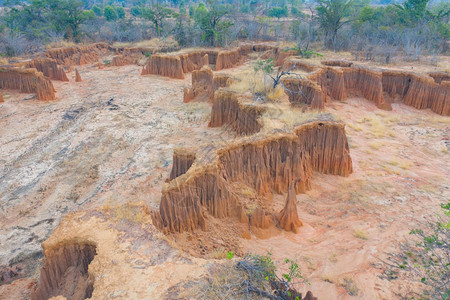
(412,28)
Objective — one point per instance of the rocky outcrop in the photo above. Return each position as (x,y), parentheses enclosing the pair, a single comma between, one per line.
(229,109)
(304,91)
(228,59)
(65,272)
(27,81)
(202,86)
(365,83)
(288,217)
(164,65)
(77,76)
(418,91)
(78,55)
(182,161)
(266,164)
(49,68)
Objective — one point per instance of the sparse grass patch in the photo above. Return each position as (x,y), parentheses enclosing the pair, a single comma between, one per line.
(274,94)
(219,253)
(60,44)
(375,145)
(155,42)
(355,127)
(360,234)
(129,212)
(327,278)
(333,258)
(377,128)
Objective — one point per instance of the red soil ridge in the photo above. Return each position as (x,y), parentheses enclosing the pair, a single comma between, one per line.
(49,68)
(267,165)
(27,81)
(65,272)
(229,109)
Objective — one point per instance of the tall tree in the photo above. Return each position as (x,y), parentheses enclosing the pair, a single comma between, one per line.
(333,14)
(157,14)
(212,21)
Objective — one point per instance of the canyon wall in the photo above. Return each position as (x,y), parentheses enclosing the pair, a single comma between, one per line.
(27,81)
(182,160)
(331,80)
(269,164)
(164,65)
(228,59)
(304,91)
(65,272)
(194,61)
(418,91)
(78,55)
(49,68)
(228,109)
(365,83)
(202,86)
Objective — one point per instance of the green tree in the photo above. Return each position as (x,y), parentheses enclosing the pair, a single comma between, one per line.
(120,12)
(157,14)
(136,11)
(97,10)
(211,19)
(278,12)
(333,14)
(110,13)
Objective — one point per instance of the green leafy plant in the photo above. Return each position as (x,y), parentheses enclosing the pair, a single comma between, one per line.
(424,257)
(304,52)
(263,277)
(230,254)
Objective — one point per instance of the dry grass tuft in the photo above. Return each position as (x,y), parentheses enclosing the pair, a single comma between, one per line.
(4,61)
(274,94)
(137,213)
(355,127)
(153,43)
(360,234)
(60,44)
(377,127)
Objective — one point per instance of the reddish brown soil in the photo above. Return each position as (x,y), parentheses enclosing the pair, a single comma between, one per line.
(109,140)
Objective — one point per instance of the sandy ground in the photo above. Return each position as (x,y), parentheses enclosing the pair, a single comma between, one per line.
(401,170)
(85,151)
